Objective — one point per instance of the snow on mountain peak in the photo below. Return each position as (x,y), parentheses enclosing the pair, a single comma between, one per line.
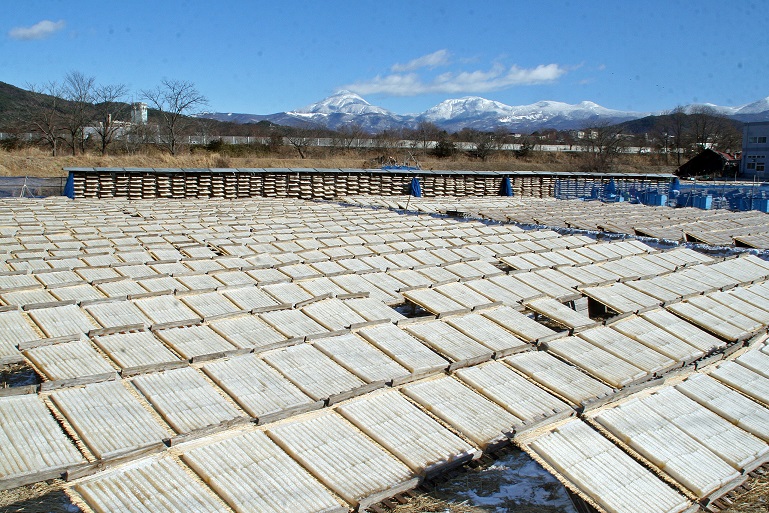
(344,102)
(756,107)
(346,107)
(464,107)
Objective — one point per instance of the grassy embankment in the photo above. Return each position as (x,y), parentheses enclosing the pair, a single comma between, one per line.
(34,162)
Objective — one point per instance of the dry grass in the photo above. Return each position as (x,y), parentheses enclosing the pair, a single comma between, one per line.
(755,500)
(425,503)
(35,162)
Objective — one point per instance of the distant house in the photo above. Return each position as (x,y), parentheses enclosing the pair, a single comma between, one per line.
(755,149)
(710,163)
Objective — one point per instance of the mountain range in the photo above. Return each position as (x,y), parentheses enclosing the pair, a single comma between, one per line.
(345,108)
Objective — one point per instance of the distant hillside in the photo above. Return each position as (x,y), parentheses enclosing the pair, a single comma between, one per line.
(16,104)
(649,124)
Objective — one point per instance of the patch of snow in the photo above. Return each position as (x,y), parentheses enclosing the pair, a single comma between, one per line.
(344,102)
(308,115)
(515,481)
(476,108)
(71,508)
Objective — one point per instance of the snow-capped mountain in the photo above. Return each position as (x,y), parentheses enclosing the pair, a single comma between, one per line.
(483,114)
(345,108)
(340,109)
(342,102)
(464,108)
(756,111)
(757,107)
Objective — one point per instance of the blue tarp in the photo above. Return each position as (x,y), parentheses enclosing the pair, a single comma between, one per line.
(675,186)
(401,168)
(415,189)
(610,189)
(69,187)
(507,187)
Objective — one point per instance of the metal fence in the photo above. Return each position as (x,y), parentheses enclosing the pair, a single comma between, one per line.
(331,142)
(31,186)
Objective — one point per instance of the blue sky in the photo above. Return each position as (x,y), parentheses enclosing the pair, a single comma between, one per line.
(263,57)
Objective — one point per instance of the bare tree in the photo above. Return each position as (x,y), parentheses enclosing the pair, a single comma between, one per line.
(204,129)
(78,91)
(423,136)
(727,137)
(526,146)
(139,135)
(678,132)
(389,140)
(275,142)
(709,129)
(45,115)
(484,144)
(346,136)
(300,139)
(702,124)
(173,100)
(110,105)
(600,145)
(660,138)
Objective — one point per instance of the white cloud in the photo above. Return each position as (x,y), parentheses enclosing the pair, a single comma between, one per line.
(430,61)
(495,79)
(39,30)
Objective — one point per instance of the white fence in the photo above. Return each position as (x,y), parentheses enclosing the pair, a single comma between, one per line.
(330,142)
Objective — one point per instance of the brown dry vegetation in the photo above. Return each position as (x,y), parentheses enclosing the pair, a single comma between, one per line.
(35,162)
(425,503)
(755,500)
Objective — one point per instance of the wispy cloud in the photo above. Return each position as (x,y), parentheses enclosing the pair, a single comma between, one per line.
(430,61)
(479,81)
(39,30)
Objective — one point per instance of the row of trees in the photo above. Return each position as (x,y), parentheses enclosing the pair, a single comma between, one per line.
(69,113)
(61,111)
(673,138)
(426,139)
(682,133)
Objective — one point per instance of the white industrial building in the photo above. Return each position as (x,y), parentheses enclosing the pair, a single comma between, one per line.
(755,149)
